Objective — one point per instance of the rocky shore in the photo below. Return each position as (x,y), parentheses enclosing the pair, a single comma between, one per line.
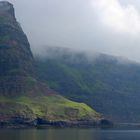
(40,123)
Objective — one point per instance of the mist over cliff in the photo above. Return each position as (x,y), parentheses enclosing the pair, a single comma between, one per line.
(82,24)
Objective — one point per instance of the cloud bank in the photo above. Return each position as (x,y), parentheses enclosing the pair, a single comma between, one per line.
(107,26)
(119,18)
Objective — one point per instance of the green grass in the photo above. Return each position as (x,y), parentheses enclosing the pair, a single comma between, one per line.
(74,73)
(52,108)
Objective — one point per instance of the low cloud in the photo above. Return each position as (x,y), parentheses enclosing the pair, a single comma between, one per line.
(119,18)
(106,26)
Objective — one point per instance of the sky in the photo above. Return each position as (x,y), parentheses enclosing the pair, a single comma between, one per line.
(107,26)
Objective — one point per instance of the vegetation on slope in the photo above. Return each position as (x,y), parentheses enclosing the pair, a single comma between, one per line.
(108,85)
(50,108)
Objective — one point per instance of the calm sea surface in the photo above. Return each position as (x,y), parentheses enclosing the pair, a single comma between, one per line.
(69,134)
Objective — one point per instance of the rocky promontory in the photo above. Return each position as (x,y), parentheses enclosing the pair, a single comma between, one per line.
(23,99)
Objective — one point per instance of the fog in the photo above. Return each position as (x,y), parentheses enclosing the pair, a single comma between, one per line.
(107,26)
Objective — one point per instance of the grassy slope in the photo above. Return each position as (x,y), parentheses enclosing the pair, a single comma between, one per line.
(52,108)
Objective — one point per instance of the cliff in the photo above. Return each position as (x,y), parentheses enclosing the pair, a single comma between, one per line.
(23,99)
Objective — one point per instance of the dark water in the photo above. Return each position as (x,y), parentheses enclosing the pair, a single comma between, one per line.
(69,134)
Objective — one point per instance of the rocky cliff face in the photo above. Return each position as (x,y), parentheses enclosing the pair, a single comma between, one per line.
(15,55)
(7,8)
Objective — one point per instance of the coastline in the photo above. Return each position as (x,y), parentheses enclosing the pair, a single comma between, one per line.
(42,124)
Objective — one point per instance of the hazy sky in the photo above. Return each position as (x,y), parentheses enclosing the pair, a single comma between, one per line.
(110,26)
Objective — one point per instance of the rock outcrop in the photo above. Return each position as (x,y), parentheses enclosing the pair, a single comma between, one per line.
(16,59)
(7,8)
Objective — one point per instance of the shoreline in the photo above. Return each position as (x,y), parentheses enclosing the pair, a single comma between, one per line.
(57,124)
